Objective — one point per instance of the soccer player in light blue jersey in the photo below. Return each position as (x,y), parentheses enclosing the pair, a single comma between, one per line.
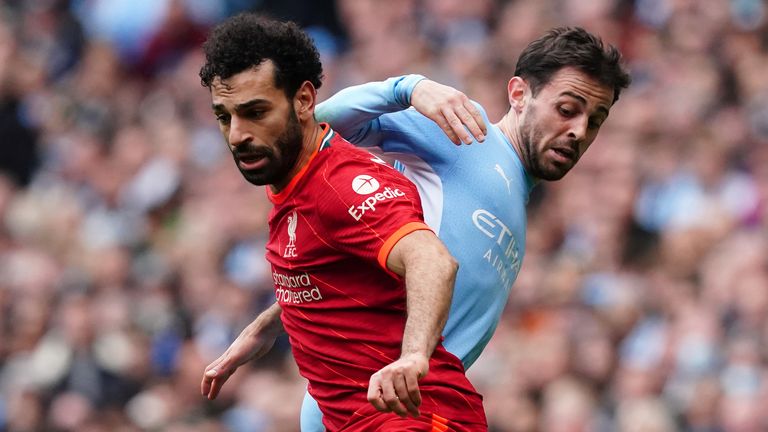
(474,196)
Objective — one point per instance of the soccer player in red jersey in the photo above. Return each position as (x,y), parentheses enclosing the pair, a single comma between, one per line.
(362,285)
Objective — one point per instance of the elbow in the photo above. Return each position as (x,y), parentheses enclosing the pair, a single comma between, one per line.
(453,266)
(450,266)
(445,261)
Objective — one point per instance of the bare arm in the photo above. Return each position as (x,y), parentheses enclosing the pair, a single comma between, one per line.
(429,272)
(252,343)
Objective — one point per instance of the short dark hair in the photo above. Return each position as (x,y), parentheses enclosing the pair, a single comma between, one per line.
(572,47)
(246,40)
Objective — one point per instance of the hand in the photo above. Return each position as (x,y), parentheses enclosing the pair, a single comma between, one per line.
(248,346)
(395,387)
(451,110)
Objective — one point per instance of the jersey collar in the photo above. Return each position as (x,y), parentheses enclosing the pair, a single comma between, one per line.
(322,143)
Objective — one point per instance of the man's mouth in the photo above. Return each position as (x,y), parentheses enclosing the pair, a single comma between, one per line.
(251,161)
(564,154)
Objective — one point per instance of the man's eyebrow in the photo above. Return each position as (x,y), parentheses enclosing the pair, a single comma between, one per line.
(242,106)
(251,103)
(583,101)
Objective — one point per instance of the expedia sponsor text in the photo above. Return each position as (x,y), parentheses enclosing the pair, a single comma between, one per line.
(369,204)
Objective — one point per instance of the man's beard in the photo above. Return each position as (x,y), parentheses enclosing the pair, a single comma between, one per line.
(534,156)
(289,145)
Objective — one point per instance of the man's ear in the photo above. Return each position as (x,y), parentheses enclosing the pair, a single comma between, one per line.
(304,101)
(516,91)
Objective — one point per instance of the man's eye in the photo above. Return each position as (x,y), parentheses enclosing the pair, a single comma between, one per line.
(255,114)
(595,123)
(222,118)
(566,112)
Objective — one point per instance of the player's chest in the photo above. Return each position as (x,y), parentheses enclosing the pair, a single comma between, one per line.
(296,239)
(488,189)
(485,221)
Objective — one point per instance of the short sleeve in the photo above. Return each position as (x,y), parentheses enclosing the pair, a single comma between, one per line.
(367,206)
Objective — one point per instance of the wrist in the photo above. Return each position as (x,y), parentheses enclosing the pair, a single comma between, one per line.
(408,86)
(415,355)
(268,323)
(418,359)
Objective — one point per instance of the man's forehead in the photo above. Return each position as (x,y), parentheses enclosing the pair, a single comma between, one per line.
(571,81)
(259,77)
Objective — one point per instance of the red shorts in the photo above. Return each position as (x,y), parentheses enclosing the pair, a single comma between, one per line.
(370,420)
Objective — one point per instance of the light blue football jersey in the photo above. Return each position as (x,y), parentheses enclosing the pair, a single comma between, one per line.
(473,196)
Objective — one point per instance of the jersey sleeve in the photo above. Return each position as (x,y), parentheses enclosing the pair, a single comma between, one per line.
(368,207)
(354,112)
(378,114)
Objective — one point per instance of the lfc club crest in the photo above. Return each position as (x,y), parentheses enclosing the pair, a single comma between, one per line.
(290,249)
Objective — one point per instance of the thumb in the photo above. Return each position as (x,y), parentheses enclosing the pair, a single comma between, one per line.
(218,368)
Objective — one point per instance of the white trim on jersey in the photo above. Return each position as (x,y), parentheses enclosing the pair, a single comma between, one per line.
(428,183)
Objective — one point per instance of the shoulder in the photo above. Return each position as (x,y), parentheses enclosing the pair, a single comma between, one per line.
(404,119)
(339,156)
(410,121)
(355,189)
(350,171)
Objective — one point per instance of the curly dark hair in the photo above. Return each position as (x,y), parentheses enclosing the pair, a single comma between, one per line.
(247,40)
(572,47)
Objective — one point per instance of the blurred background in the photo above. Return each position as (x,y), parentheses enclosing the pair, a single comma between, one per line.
(131,250)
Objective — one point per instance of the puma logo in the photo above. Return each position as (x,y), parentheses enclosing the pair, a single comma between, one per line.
(504,176)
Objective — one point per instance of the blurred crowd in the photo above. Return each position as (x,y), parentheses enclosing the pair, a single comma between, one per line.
(131,250)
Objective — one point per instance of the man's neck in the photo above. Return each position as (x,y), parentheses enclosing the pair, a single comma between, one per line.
(509,125)
(308,146)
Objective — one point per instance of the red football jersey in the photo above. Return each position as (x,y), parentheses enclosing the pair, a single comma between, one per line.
(331,230)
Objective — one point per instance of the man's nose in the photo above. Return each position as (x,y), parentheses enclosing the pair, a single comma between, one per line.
(238,132)
(578,130)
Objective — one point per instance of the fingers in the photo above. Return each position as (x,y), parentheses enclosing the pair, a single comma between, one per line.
(208,375)
(205,385)
(214,377)
(463,123)
(382,394)
(454,129)
(476,124)
(412,387)
(451,109)
(374,393)
(405,393)
(448,130)
(392,399)
(395,391)
(216,384)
